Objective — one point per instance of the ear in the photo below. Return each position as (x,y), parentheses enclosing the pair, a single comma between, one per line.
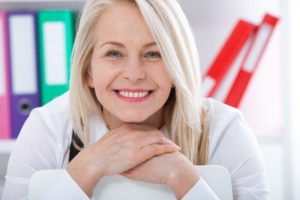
(89,78)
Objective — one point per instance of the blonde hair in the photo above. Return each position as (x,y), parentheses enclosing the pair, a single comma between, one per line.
(184,116)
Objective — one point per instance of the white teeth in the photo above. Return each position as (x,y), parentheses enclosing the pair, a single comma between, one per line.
(133,94)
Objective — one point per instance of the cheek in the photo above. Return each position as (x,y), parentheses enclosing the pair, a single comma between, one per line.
(102,81)
(102,90)
(103,78)
(102,75)
(162,77)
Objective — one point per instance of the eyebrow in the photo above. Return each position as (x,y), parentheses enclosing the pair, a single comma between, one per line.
(122,45)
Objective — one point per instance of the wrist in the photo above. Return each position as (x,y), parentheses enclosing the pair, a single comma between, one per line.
(86,175)
(86,182)
(182,182)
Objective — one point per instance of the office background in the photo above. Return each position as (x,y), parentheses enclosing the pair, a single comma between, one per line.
(271,102)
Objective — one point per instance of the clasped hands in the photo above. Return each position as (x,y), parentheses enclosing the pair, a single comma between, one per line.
(138,152)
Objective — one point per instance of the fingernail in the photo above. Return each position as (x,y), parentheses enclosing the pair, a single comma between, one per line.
(166,140)
(178,147)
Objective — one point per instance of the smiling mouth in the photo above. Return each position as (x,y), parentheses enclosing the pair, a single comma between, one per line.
(133,95)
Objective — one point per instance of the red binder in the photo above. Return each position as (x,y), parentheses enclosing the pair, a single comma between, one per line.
(251,60)
(226,56)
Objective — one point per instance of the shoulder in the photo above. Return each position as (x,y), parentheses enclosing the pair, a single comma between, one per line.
(224,121)
(45,135)
(59,105)
(56,110)
(233,145)
(229,132)
(52,120)
(219,114)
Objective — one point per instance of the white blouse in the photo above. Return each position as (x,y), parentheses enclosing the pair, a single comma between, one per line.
(44,143)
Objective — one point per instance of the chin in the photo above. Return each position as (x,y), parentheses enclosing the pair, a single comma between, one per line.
(133,118)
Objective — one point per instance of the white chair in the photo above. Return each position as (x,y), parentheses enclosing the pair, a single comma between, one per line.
(118,187)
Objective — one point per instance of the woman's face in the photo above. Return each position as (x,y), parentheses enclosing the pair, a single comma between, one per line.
(127,72)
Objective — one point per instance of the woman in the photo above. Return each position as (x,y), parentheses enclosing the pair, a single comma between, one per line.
(134,108)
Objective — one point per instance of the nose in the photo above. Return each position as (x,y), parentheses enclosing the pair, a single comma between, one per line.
(134,70)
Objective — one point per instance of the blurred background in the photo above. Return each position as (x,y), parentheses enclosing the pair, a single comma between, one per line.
(271,102)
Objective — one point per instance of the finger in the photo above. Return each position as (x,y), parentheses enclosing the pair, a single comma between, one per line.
(156,150)
(128,174)
(153,137)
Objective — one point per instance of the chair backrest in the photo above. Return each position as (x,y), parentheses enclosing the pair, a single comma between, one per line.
(118,187)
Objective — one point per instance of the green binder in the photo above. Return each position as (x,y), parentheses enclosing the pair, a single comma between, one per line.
(56,30)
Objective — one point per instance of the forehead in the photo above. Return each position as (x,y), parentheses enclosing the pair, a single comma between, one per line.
(122,21)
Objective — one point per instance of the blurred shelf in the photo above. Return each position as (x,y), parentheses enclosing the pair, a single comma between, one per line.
(39,4)
(6,146)
(1,185)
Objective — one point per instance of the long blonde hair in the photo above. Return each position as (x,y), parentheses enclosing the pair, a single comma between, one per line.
(183,113)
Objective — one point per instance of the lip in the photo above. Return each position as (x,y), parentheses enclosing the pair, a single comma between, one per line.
(133,99)
(132,90)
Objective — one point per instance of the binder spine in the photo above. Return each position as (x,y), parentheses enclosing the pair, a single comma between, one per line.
(5,122)
(251,60)
(55,74)
(226,57)
(22,100)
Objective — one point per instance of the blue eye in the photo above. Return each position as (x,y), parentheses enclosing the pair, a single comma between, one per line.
(113,54)
(153,54)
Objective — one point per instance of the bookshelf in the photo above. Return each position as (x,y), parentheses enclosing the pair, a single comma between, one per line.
(9,5)
(5,149)
(7,145)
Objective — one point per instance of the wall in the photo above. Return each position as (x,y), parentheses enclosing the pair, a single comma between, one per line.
(212,21)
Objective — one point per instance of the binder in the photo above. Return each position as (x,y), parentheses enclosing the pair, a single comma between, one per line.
(226,56)
(23,66)
(56,37)
(5,129)
(251,60)
(228,79)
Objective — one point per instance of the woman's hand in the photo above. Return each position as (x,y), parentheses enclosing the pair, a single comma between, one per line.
(173,169)
(117,151)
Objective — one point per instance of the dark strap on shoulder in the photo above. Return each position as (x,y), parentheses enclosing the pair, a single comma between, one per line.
(73,150)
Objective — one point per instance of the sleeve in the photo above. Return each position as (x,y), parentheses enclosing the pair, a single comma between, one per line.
(65,183)
(38,146)
(237,149)
(201,190)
